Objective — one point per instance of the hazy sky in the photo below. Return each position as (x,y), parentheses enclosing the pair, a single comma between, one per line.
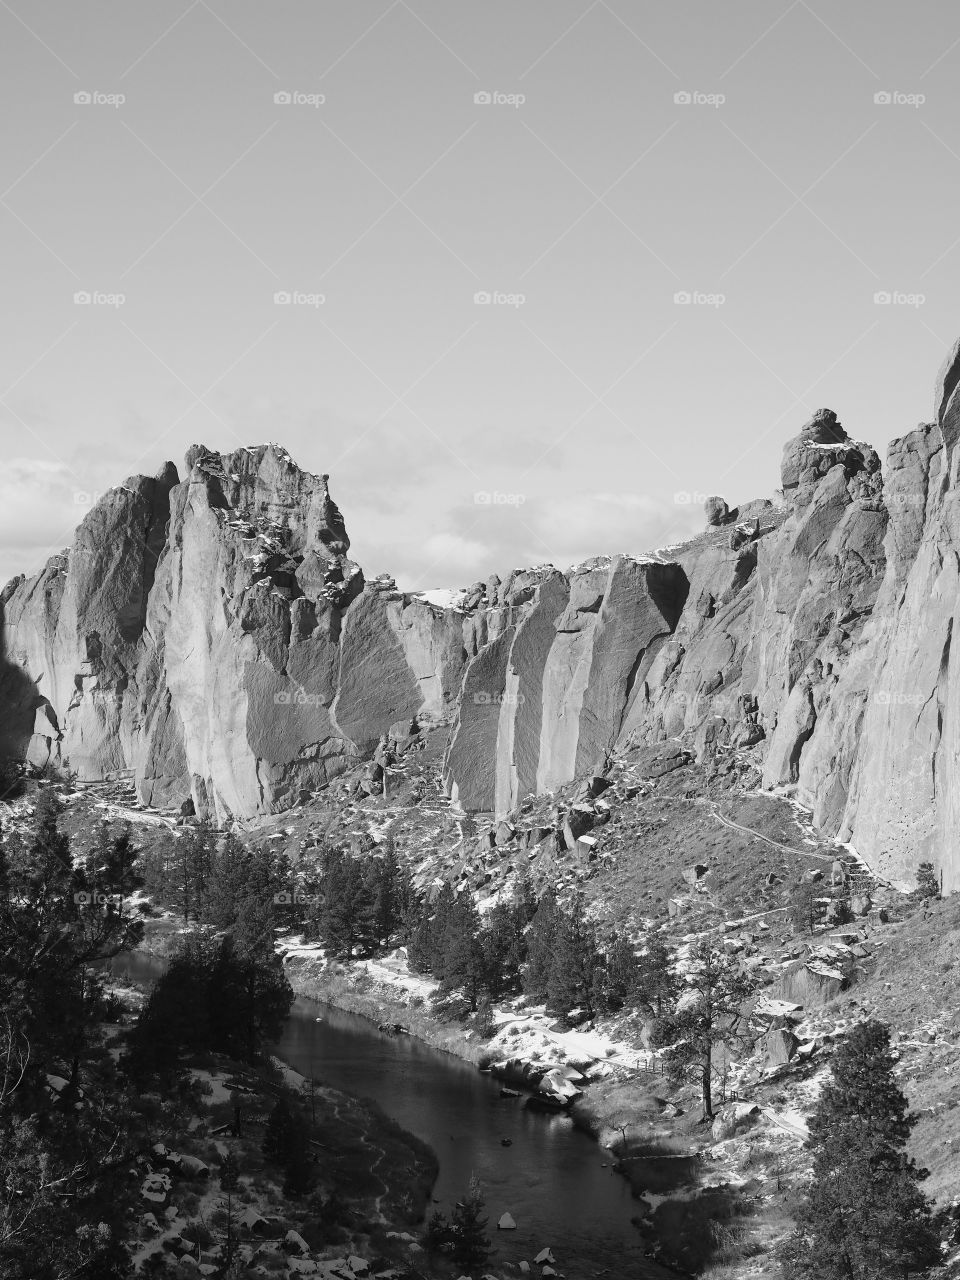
(582,400)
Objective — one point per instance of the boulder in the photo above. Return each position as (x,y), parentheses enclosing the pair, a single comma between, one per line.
(506,1222)
(732,1119)
(693,875)
(661,759)
(716,511)
(779,1047)
(810,984)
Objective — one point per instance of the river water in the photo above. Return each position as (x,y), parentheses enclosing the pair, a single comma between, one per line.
(551,1177)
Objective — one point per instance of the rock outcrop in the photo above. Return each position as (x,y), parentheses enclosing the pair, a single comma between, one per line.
(210,634)
(213,636)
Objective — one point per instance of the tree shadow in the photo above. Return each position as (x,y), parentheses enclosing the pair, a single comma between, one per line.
(689,1225)
(19,700)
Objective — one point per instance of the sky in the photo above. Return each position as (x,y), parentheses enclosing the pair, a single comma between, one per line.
(529,279)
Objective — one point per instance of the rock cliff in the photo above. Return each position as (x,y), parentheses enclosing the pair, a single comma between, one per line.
(211,634)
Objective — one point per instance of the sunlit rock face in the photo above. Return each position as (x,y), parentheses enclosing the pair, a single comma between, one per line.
(212,635)
(208,631)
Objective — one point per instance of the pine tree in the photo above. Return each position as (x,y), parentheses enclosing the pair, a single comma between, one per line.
(928,882)
(622,973)
(575,971)
(541,937)
(229,1172)
(706,1016)
(348,921)
(864,1216)
(656,983)
(298,1170)
(277,1132)
(462,964)
(504,949)
(471,1244)
(803,907)
(248,999)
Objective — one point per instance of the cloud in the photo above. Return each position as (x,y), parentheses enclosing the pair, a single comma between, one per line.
(41,503)
(495,537)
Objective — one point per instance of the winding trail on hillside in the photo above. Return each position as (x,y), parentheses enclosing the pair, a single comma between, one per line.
(758,835)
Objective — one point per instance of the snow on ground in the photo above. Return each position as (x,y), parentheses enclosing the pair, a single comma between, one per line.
(394,970)
(218,1090)
(391,970)
(443,597)
(529,1037)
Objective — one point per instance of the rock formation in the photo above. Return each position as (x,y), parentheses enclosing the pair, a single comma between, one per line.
(211,634)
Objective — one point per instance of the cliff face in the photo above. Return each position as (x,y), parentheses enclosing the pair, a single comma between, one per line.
(212,634)
(822,628)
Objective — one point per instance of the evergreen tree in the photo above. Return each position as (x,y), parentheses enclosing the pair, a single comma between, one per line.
(462,964)
(298,1170)
(427,938)
(657,983)
(277,1132)
(706,1016)
(175,1017)
(229,1172)
(504,949)
(248,999)
(574,973)
(390,889)
(928,882)
(469,1239)
(348,922)
(864,1216)
(803,907)
(65,1184)
(622,974)
(541,938)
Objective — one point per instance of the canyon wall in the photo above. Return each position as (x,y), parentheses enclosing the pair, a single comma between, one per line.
(211,634)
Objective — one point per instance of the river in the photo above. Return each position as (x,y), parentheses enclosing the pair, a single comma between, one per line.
(553,1178)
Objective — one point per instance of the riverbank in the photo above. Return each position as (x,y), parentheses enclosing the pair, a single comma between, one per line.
(362,995)
(689,1211)
(694,1207)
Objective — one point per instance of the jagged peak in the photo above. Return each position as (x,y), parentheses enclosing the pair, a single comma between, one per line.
(947,380)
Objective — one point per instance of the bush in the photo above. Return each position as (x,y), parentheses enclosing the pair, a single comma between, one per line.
(928,882)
